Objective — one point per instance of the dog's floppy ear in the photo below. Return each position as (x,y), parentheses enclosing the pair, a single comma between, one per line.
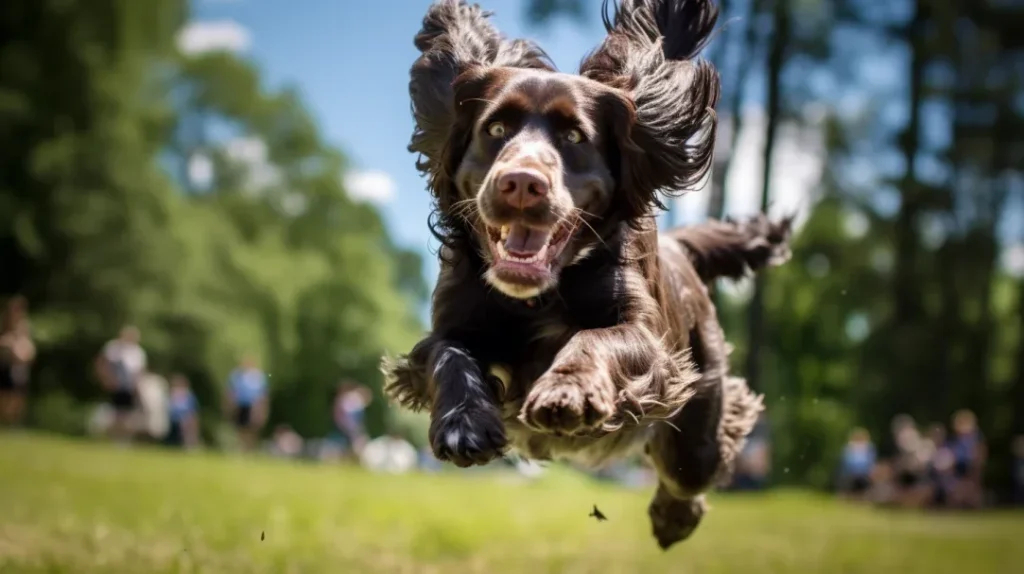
(648,55)
(456,40)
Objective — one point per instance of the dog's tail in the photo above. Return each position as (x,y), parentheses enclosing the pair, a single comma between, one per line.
(731,249)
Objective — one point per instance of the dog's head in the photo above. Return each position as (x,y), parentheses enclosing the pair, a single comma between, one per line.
(537,171)
(532,167)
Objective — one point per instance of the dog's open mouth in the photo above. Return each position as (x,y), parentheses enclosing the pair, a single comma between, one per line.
(524,254)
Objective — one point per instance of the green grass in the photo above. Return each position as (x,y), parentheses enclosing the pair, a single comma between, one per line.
(86,508)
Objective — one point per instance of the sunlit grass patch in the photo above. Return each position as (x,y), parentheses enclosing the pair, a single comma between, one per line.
(87,508)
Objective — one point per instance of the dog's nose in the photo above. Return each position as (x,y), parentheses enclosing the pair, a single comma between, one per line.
(522,188)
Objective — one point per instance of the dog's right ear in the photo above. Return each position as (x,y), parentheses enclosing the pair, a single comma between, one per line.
(456,40)
(650,55)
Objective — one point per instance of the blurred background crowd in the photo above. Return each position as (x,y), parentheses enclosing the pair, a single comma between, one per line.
(210,230)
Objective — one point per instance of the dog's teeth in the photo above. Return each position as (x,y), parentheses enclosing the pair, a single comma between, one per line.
(504,231)
(505,255)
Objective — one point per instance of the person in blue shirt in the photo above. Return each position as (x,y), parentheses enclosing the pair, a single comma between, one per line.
(969,455)
(857,464)
(183,414)
(248,400)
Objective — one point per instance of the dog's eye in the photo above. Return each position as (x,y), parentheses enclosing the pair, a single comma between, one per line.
(496,130)
(574,136)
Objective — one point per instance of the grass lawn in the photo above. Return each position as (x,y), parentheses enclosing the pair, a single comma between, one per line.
(86,508)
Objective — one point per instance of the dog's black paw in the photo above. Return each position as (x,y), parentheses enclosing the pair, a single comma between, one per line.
(468,435)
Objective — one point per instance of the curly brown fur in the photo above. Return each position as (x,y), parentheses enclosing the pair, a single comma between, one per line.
(742,409)
(732,250)
(649,53)
(563,324)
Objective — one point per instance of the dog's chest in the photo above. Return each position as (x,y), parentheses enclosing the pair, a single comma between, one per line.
(532,334)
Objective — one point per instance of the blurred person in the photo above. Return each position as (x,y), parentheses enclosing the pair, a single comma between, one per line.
(856,465)
(120,366)
(969,456)
(940,466)
(883,490)
(753,465)
(248,400)
(1018,469)
(910,462)
(17,352)
(285,442)
(151,415)
(350,402)
(390,454)
(183,414)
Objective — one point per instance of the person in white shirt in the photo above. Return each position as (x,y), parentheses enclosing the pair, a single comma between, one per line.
(120,366)
(389,454)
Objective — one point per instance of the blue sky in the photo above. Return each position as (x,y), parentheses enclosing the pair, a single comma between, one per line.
(350,60)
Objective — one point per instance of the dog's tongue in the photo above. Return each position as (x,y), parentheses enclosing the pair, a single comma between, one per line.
(522,239)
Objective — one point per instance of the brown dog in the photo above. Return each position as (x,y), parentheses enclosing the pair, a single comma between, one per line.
(563,324)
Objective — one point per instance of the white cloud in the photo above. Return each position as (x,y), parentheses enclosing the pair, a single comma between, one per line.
(200,170)
(209,36)
(252,153)
(373,186)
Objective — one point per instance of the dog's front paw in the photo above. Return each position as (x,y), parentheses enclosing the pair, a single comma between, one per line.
(468,435)
(569,401)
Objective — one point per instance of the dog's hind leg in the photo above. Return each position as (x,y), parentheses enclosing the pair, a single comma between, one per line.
(696,448)
(686,455)
(697,452)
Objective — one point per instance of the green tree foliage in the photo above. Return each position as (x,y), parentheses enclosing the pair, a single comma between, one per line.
(103,224)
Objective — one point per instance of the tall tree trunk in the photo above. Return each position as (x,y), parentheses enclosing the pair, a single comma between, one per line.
(980,396)
(1017,388)
(949,330)
(907,302)
(776,61)
(738,80)
(905,332)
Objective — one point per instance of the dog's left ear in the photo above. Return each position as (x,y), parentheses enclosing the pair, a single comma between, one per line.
(457,40)
(633,198)
(666,125)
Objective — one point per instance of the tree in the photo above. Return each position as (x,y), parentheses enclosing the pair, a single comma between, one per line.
(103,222)
(778,45)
